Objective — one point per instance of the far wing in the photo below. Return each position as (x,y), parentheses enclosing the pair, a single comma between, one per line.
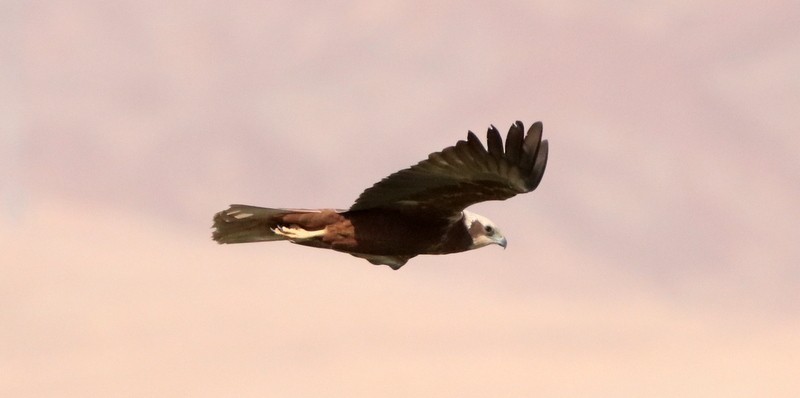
(464,174)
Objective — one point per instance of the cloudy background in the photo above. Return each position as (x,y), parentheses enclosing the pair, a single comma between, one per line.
(658,257)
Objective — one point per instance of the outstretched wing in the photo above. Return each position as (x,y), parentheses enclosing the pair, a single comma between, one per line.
(464,174)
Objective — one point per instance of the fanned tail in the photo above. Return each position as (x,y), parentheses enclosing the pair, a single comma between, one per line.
(243,223)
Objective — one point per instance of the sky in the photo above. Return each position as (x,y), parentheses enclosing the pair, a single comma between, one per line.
(657,258)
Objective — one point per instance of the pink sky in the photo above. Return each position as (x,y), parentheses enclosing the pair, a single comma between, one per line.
(658,257)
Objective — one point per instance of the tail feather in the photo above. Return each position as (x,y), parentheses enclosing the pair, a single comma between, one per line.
(243,223)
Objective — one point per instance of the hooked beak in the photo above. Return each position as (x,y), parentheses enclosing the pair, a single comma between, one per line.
(502,241)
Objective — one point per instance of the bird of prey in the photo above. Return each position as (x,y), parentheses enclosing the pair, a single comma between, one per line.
(418,210)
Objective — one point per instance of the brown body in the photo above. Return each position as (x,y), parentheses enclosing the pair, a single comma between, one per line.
(381,232)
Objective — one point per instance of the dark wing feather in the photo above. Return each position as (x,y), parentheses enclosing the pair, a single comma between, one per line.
(464,174)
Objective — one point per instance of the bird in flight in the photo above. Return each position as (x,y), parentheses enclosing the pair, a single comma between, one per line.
(418,210)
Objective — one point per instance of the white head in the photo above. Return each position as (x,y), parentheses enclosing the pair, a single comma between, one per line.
(483,231)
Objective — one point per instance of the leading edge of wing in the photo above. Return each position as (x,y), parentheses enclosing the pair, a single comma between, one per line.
(466,173)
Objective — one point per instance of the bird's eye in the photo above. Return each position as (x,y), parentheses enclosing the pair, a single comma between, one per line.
(489,230)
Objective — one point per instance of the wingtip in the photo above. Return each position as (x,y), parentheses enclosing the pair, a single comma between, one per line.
(494,141)
(514,141)
(540,164)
